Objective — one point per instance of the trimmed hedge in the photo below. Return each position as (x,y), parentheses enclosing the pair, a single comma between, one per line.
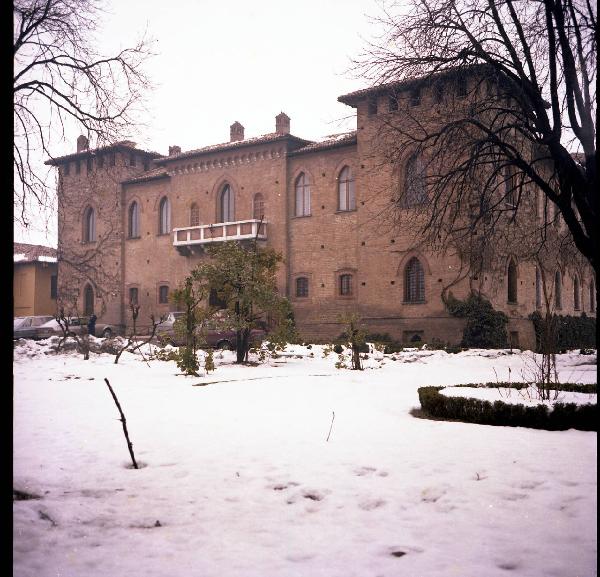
(563,416)
(571,332)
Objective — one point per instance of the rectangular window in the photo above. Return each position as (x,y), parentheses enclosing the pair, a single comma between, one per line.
(163,294)
(100,161)
(133,296)
(90,164)
(461,87)
(346,285)
(372,106)
(77,167)
(53,286)
(112,159)
(67,168)
(438,92)
(132,160)
(392,103)
(146,164)
(415,97)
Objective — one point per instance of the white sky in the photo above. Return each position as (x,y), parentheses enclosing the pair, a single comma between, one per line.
(218,62)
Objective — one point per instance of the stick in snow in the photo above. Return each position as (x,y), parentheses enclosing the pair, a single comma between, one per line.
(331,427)
(122,419)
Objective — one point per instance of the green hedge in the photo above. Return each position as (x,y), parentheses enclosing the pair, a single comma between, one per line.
(563,416)
(571,332)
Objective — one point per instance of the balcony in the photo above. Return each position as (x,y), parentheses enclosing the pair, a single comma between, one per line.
(193,239)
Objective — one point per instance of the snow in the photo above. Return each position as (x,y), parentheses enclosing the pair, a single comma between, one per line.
(239,475)
(528,396)
(43,258)
(19,257)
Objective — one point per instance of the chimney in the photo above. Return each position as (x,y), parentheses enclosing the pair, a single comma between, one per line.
(173,150)
(282,123)
(82,143)
(236,132)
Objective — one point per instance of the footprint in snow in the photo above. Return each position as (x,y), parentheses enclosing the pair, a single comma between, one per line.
(371,504)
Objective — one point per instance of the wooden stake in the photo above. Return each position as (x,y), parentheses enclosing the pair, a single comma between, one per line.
(122,419)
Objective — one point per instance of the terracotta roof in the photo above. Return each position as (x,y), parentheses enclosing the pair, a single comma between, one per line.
(271,137)
(33,252)
(333,141)
(152,174)
(124,144)
(406,83)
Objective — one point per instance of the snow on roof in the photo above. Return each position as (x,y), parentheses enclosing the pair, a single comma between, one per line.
(331,141)
(33,253)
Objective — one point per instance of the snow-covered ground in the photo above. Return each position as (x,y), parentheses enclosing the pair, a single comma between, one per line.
(240,481)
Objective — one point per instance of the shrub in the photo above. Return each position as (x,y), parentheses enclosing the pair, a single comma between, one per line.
(571,332)
(378,338)
(485,327)
(392,348)
(338,349)
(563,416)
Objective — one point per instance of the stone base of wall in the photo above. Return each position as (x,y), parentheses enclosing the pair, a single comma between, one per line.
(448,330)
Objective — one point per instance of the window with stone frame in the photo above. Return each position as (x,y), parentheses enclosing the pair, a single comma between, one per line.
(538,288)
(258,207)
(89,225)
(345,285)
(225,207)
(557,290)
(592,296)
(302,197)
(133,228)
(511,193)
(512,282)
(133,296)
(88,300)
(415,191)
(302,287)
(194,214)
(164,216)
(576,294)
(346,194)
(414,281)
(163,294)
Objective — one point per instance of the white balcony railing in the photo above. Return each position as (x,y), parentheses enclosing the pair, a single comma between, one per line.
(190,236)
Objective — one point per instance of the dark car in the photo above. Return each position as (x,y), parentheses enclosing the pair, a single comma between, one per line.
(30,327)
(214,336)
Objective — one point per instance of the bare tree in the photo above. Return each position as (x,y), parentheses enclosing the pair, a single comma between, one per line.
(514,90)
(61,80)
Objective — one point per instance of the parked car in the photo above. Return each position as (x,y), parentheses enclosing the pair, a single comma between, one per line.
(30,327)
(215,337)
(77,325)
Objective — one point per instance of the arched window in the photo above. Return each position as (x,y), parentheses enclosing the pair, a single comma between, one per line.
(414,281)
(558,290)
(194,215)
(164,216)
(258,206)
(512,281)
(225,208)
(302,195)
(88,300)
(538,287)
(302,286)
(414,182)
(89,225)
(346,198)
(345,285)
(134,220)
(592,296)
(576,298)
